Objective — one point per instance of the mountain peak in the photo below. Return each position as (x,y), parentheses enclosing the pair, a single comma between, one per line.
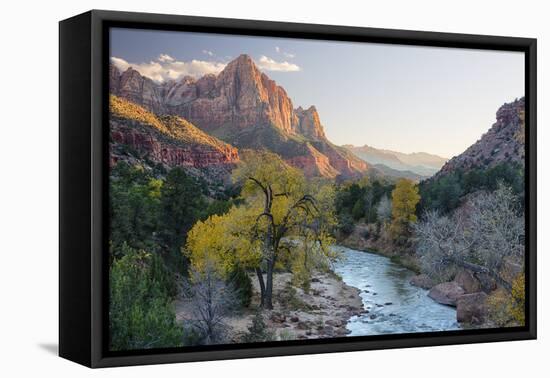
(244,107)
(187,79)
(243,60)
(131,71)
(309,123)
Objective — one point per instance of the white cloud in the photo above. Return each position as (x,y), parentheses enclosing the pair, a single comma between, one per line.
(208,52)
(285,53)
(166,68)
(121,64)
(268,64)
(165,58)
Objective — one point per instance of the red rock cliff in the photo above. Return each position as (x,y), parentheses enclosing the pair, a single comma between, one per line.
(244,107)
(168,140)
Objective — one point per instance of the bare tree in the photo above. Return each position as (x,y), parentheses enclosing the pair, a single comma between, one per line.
(369,197)
(210,300)
(383,210)
(481,237)
(497,219)
(442,243)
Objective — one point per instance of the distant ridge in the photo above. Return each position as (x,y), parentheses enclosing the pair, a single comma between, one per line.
(420,163)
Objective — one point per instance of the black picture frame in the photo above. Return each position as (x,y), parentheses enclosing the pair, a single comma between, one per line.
(83,181)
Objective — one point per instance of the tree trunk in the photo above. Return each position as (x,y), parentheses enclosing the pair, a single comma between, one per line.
(262,286)
(268,302)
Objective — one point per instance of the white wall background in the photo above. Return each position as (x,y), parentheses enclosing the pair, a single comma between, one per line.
(29,189)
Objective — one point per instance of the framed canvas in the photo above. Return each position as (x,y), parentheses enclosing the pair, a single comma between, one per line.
(236,188)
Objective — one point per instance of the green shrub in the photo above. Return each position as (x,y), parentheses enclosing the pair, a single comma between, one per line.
(242,284)
(358,210)
(258,331)
(141,314)
(345,224)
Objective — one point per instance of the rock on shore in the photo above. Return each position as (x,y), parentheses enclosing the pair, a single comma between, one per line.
(323,312)
(422,281)
(471,308)
(446,293)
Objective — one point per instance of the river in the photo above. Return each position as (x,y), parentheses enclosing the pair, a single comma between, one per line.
(393,304)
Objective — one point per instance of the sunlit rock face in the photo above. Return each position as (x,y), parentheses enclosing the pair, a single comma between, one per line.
(244,107)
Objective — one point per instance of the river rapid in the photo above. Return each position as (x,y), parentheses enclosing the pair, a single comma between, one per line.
(393,304)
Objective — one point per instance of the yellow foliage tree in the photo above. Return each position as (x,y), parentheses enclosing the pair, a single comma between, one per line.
(314,235)
(222,241)
(405,198)
(279,219)
(507,309)
(517,307)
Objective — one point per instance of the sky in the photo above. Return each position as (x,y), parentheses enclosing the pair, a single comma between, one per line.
(397,97)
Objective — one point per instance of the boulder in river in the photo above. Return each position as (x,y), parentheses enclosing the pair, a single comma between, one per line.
(468,282)
(446,293)
(423,281)
(471,308)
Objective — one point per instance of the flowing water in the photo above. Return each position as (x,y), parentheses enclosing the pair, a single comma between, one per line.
(393,304)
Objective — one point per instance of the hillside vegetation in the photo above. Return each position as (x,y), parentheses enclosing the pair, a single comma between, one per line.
(172,126)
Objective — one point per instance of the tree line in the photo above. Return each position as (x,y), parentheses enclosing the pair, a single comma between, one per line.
(170,236)
(465,219)
(166,230)
(151,211)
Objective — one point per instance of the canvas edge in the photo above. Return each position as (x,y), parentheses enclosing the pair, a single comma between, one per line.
(75,276)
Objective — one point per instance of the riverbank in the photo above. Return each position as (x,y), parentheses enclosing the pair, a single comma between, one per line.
(380,246)
(470,295)
(322,312)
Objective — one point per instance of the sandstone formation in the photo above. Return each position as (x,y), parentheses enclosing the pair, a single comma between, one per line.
(313,163)
(138,89)
(309,123)
(167,140)
(504,142)
(244,107)
(241,96)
